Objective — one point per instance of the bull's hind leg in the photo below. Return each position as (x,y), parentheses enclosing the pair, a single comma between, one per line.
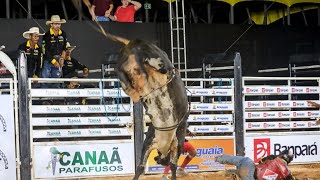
(174,158)
(146,150)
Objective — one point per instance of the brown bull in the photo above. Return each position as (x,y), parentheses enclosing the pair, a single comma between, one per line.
(147,74)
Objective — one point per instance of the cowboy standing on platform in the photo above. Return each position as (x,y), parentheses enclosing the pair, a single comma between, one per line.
(54,49)
(32,51)
(71,65)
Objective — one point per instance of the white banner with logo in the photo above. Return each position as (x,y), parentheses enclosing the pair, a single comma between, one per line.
(85,159)
(7,136)
(304,146)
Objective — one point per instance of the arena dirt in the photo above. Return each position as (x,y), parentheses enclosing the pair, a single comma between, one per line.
(301,172)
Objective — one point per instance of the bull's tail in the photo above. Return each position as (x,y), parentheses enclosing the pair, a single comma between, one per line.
(113,37)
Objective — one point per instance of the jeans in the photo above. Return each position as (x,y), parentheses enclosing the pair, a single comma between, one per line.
(102,18)
(245,166)
(49,71)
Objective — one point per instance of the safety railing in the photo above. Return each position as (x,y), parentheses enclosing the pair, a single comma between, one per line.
(278,116)
(82,127)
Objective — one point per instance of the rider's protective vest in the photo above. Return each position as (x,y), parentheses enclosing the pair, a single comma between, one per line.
(275,169)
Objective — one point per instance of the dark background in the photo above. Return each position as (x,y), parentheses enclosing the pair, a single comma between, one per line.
(261,47)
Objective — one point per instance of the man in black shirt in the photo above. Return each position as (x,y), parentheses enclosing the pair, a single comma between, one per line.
(71,65)
(33,52)
(54,49)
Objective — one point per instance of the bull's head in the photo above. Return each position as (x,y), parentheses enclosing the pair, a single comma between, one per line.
(137,61)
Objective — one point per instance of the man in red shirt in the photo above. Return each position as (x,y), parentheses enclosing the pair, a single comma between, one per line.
(100,9)
(125,12)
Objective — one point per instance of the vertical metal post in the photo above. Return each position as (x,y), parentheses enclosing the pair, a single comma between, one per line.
(147,15)
(8,9)
(238,111)
(24,121)
(304,17)
(138,131)
(45,9)
(318,15)
(29,9)
(265,14)
(64,9)
(209,13)
(288,17)
(80,11)
(171,32)
(231,16)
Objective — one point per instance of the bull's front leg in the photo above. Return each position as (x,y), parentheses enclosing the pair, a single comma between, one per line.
(174,159)
(146,150)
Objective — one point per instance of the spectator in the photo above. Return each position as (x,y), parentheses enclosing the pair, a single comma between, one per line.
(33,52)
(71,65)
(100,9)
(125,12)
(54,49)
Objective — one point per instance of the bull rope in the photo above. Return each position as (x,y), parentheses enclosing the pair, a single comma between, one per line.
(169,128)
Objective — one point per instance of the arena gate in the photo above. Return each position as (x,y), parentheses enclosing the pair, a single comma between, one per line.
(80,132)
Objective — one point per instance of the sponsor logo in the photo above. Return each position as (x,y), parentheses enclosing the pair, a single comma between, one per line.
(95,108)
(94,92)
(53,121)
(74,133)
(53,109)
(269,175)
(74,108)
(84,162)
(73,92)
(209,151)
(297,150)
(52,92)
(53,133)
(261,148)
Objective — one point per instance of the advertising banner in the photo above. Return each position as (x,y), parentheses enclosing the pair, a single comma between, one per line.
(68,121)
(210,118)
(78,93)
(7,136)
(276,104)
(78,160)
(54,109)
(304,147)
(281,114)
(206,149)
(281,90)
(210,92)
(93,132)
(281,125)
(212,107)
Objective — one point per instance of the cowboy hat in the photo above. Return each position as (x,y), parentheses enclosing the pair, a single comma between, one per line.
(31,31)
(56,19)
(68,46)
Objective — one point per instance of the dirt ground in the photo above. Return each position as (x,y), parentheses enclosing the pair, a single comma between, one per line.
(301,172)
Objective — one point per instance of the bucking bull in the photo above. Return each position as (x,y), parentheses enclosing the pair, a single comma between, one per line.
(147,75)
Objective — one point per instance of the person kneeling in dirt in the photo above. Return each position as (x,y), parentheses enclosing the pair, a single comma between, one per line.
(271,167)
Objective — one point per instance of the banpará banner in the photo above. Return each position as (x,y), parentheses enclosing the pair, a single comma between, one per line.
(305,147)
(207,150)
(7,136)
(80,160)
